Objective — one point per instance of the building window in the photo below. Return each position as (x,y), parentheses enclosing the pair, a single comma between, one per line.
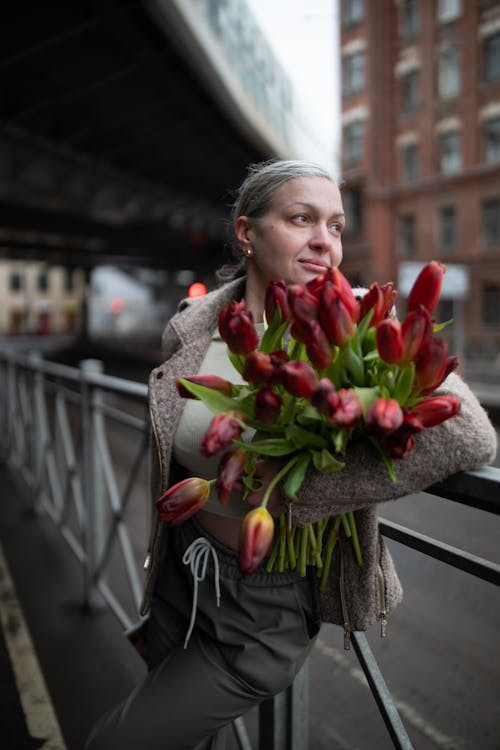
(15,282)
(410,165)
(407,235)
(43,281)
(449,10)
(352,201)
(352,12)
(353,142)
(353,74)
(410,84)
(449,73)
(447,228)
(491,222)
(410,18)
(491,57)
(450,153)
(491,305)
(492,140)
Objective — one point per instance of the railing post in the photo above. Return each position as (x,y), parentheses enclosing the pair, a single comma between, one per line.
(93,487)
(39,433)
(284,719)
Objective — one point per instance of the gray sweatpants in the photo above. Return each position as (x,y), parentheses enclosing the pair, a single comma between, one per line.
(246,650)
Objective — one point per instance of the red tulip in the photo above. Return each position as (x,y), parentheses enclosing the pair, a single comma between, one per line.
(432,366)
(267,405)
(257,532)
(278,359)
(427,287)
(221,431)
(400,443)
(379,298)
(277,297)
(299,378)
(324,398)
(231,467)
(349,409)
(436,409)
(389,340)
(384,416)
(303,305)
(237,329)
(416,329)
(258,368)
(319,349)
(209,381)
(335,316)
(183,500)
(346,293)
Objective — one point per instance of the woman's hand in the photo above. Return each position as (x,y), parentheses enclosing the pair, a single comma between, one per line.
(265,471)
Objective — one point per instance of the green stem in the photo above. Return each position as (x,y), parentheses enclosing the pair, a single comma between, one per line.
(330,546)
(345,524)
(355,540)
(272,557)
(290,534)
(314,547)
(282,550)
(274,481)
(304,539)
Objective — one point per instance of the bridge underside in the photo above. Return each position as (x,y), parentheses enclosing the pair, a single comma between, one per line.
(111,149)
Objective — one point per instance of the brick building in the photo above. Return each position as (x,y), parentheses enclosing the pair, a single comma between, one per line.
(421,147)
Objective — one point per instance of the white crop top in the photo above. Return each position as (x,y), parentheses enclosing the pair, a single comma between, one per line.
(194,421)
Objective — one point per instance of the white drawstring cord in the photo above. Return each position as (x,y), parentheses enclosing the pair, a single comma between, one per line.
(196,556)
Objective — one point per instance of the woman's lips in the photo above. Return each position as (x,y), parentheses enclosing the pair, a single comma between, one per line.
(314,265)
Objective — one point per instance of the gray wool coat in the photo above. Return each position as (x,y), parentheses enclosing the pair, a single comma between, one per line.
(356,596)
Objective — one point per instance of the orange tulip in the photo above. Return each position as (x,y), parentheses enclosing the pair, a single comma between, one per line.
(257,532)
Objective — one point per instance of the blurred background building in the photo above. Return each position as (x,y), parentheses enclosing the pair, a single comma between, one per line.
(125,127)
(421,150)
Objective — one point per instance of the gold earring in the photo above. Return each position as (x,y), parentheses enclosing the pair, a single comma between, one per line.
(249,252)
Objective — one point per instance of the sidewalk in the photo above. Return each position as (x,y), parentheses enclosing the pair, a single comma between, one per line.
(86,662)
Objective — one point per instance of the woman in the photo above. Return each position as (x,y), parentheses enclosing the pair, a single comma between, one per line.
(217,643)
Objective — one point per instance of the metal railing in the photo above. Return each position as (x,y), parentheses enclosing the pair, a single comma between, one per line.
(59,427)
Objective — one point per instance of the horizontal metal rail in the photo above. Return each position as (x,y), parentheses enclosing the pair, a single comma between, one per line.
(80,481)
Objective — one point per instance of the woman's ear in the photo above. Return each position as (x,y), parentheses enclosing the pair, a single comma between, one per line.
(242,230)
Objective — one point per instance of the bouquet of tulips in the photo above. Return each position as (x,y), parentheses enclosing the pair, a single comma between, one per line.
(330,368)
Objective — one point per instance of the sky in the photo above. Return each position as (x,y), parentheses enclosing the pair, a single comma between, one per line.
(304,35)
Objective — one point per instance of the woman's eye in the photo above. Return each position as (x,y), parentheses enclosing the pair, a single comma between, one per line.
(336,228)
(301,218)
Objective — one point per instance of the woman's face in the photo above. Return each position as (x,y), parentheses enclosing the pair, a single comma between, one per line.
(298,237)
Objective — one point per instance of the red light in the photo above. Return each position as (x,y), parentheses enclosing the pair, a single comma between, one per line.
(197,289)
(117,305)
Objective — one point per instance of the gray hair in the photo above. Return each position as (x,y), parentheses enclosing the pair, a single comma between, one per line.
(256,192)
(264,180)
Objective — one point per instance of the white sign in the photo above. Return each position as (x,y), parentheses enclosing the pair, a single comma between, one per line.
(456,281)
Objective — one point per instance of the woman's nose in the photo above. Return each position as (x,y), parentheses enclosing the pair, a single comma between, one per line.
(321,237)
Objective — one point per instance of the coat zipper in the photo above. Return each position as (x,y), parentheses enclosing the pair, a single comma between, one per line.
(153,537)
(382,592)
(343,603)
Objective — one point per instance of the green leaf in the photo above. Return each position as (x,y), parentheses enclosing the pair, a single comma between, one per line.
(273,335)
(236,360)
(373,354)
(354,364)
(439,326)
(324,461)
(296,476)
(386,459)
(268,447)
(340,440)
(302,438)
(404,384)
(367,396)
(214,400)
